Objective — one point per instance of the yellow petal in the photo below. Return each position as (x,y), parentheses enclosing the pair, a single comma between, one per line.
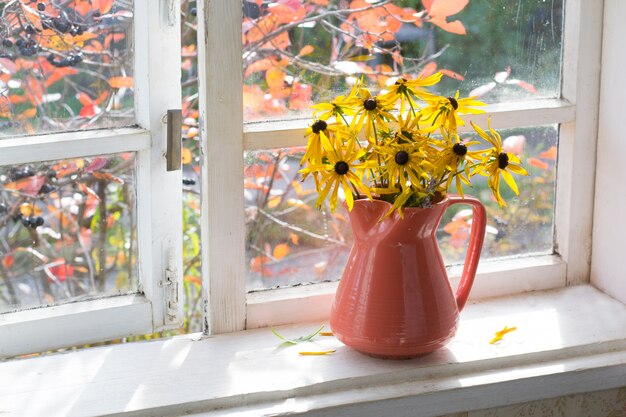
(510,181)
(318,353)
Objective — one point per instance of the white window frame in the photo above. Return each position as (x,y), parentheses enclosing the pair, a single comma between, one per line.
(156,34)
(225,138)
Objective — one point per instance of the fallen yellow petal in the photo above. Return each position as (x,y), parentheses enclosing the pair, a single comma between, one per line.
(501,334)
(318,353)
(326,333)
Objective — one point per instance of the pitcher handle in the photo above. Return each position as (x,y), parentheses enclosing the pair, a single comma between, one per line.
(477,236)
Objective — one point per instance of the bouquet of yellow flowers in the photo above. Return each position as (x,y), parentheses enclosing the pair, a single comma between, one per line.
(401,146)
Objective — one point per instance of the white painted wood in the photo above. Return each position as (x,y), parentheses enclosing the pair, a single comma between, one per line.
(577,143)
(73,324)
(278,134)
(159,201)
(607,266)
(157,78)
(27,149)
(561,346)
(221,125)
(494,278)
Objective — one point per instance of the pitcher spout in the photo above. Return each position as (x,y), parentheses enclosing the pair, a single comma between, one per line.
(366,216)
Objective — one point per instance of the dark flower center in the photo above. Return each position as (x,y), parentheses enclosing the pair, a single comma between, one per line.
(369,104)
(342,168)
(453,102)
(318,126)
(503,160)
(459,149)
(401,158)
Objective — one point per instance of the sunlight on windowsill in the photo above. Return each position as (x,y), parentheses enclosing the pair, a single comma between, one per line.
(557,335)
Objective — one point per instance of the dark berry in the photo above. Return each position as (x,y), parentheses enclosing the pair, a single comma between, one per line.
(41,7)
(96,14)
(30,29)
(401,158)
(453,102)
(251,10)
(39,221)
(74,31)
(342,168)
(369,104)
(503,160)
(7,43)
(80,30)
(193,11)
(459,149)
(7,55)
(50,58)
(61,25)
(19,43)
(45,189)
(318,126)
(189,181)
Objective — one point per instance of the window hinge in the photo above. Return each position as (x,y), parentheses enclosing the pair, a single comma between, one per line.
(170,292)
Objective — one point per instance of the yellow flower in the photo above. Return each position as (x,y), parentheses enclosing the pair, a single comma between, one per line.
(445,111)
(343,161)
(372,111)
(341,106)
(454,154)
(317,136)
(402,163)
(408,91)
(498,163)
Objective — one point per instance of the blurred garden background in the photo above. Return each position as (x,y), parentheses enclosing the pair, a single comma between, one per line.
(67,227)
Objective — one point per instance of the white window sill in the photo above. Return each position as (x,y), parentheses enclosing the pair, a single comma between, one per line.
(568,341)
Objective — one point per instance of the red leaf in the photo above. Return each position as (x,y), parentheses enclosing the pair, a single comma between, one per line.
(97,164)
(88,190)
(7,261)
(29,186)
(61,271)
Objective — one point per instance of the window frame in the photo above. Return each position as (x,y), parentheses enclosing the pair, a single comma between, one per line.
(156,34)
(225,138)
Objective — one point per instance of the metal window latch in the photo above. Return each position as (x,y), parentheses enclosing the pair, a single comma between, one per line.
(170,286)
(174,139)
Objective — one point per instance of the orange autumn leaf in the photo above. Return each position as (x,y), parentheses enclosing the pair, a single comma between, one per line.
(281,250)
(538,163)
(549,154)
(193,280)
(444,8)
(105,6)
(294,239)
(88,191)
(186,157)
(27,114)
(32,17)
(306,50)
(452,74)
(108,177)
(121,82)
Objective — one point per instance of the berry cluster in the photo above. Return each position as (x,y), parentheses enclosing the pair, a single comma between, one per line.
(68,61)
(32,222)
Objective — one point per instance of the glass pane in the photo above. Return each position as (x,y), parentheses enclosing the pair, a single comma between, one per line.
(300,52)
(65,65)
(67,231)
(290,242)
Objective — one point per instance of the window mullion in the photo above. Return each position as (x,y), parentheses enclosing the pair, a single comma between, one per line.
(582,45)
(160,213)
(221,121)
(279,134)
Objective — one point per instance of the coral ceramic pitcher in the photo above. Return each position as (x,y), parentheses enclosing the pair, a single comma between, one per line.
(394,299)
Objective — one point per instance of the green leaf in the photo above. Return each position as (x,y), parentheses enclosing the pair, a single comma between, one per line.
(297,340)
